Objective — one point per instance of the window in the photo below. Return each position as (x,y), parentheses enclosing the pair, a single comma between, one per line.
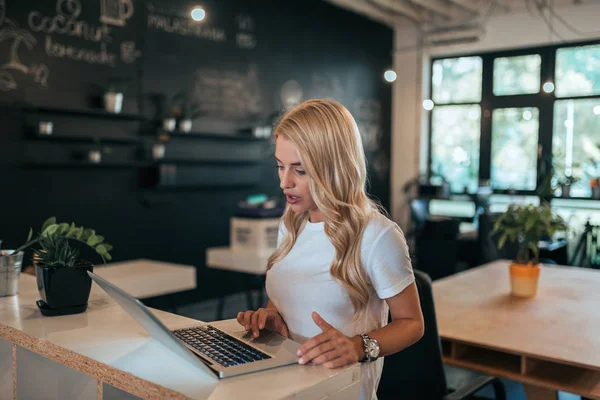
(575,143)
(514,148)
(578,71)
(456,124)
(517,75)
(492,122)
(455,145)
(457,80)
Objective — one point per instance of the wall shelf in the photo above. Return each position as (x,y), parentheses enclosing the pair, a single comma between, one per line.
(90,113)
(86,139)
(199,162)
(79,164)
(208,135)
(189,188)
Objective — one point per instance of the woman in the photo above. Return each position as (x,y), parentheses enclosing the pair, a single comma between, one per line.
(340,264)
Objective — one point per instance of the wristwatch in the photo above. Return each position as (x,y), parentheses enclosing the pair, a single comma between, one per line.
(371,348)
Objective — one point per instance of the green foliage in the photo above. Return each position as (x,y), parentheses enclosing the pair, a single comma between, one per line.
(55,252)
(526,226)
(184,106)
(58,249)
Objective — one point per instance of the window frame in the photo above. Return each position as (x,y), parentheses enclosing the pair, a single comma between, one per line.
(490,102)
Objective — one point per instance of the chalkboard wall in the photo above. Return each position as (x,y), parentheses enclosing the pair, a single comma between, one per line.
(240,67)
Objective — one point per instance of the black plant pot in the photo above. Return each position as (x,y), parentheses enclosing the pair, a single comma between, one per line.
(64,290)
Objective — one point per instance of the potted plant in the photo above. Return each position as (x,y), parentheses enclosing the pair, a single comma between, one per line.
(62,279)
(526,226)
(185,110)
(565,182)
(595,187)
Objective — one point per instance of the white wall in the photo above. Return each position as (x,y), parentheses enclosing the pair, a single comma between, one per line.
(502,31)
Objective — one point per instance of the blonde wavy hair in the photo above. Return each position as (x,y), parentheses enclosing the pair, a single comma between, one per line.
(331,151)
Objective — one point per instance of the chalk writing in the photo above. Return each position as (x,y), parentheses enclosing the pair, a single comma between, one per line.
(40,73)
(7,82)
(227,93)
(244,22)
(102,57)
(12,31)
(129,53)
(115,12)
(185,27)
(245,41)
(66,23)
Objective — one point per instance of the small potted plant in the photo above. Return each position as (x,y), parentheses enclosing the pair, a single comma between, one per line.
(185,110)
(595,186)
(565,182)
(62,279)
(526,226)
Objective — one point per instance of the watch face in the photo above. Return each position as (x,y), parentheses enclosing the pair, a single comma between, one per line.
(373,349)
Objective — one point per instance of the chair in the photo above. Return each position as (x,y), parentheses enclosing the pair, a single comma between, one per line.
(417,372)
(437,247)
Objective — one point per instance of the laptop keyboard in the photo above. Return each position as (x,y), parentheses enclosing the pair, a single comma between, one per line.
(219,346)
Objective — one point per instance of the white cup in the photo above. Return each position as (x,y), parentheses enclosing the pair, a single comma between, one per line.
(94,156)
(45,128)
(158,151)
(185,125)
(113,102)
(169,124)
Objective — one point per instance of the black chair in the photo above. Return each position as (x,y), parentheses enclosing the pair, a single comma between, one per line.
(417,373)
(437,247)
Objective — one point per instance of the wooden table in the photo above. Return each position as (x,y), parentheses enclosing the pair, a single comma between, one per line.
(550,342)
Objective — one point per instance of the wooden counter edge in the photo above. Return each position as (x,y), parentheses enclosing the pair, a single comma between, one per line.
(102,372)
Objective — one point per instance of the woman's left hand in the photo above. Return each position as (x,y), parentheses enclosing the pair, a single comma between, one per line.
(332,349)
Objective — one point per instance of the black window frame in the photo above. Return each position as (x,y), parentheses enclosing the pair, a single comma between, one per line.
(490,102)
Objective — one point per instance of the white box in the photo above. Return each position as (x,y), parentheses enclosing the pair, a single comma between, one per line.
(240,261)
(258,236)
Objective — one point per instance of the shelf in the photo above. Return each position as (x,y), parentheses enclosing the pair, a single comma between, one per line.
(79,164)
(584,381)
(207,135)
(158,163)
(474,355)
(92,113)
(188,188)
(86,139)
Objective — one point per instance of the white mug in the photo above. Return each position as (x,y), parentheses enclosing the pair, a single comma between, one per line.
(158,151)
(45,128)
(95,156)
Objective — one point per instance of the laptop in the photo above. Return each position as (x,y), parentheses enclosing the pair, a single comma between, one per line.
(223,346)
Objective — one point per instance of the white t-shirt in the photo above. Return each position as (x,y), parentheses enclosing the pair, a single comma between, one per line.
(301,283)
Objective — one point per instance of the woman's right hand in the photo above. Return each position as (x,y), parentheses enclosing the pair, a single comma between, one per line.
(263,318)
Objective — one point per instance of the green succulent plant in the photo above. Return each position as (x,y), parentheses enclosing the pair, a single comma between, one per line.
(55,251)
(54,238)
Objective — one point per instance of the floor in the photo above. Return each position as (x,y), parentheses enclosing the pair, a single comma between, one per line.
(206,311)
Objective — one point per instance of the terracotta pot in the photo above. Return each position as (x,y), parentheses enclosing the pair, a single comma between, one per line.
(524,279)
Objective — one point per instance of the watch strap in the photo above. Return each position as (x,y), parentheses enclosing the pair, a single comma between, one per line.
(365,339)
